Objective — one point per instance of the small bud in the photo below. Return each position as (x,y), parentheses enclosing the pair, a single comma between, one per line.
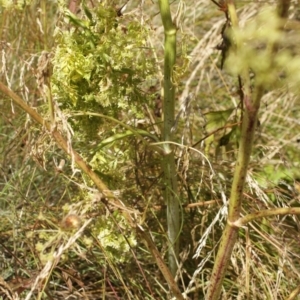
(71,222)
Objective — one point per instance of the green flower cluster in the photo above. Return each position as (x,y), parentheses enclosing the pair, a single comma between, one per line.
(100,65)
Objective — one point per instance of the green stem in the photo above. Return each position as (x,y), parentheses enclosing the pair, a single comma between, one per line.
(229,236)
(168,162)
(282,211)
(251,104)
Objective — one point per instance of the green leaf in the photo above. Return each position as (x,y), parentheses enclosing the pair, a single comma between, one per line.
(120,136)
(88,12)
(217,119)
(76,21)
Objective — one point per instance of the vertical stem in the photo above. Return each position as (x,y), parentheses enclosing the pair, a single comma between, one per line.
(229,236)
(251,103)
(168,163)
(44,20)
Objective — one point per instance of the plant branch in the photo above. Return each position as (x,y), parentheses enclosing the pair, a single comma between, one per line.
(229,236)
(266,213)
(160,262)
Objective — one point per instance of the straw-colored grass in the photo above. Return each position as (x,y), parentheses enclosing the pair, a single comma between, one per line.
(94,254)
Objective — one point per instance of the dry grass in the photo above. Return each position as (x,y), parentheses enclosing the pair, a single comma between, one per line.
(40,259)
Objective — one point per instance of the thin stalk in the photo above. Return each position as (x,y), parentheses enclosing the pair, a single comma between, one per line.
(44,22)
(282,211)
(229,236)
(168,162)
(251,103)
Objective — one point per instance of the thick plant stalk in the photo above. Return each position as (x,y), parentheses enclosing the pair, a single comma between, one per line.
(251,103)
(168,163)
(229,236)
(251,107)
